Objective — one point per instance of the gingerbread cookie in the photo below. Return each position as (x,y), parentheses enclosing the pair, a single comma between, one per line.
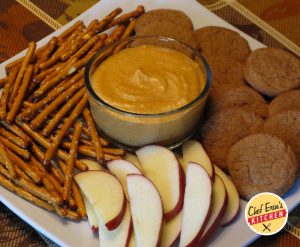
(260,163)
(286,125)
(243,97)
(225,128)
(286,101)
(222,42)
(272,71)
(170,30)
(177,17)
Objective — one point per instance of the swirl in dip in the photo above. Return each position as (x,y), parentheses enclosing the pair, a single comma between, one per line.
(148,79)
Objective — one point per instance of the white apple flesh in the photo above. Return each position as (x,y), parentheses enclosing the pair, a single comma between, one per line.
(146,210)
(118,237)
(92,217)
(233,204)
(92,165)
(218,209)
(193,151)
(161,166)
(197,204)
(134,160)
(122,168)
(105,194)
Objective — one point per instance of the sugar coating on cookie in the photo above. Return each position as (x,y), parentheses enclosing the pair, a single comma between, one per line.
(222,129)
(262,163)
(219,41)
(164,15)
(286,101)
(242,97)
(286,126)
(272,71)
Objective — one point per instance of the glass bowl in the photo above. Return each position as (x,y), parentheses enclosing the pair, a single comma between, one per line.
(132,130)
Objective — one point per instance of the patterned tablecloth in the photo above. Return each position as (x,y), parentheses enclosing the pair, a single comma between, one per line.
(275,23)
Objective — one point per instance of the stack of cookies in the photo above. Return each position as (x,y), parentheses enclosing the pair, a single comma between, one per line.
(252,126)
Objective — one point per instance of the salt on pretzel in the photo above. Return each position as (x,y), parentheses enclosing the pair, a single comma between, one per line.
(16,149)
(4,159)
(13,138)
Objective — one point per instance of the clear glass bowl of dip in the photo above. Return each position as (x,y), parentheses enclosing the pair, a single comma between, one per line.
(132,130)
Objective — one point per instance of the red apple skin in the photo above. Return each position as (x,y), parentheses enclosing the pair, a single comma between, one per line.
(170,215)
(95,229)
(129,233)
(214,226)
(114,223)
(233,218)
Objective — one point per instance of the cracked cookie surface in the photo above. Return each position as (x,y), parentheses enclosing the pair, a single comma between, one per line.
(260,163)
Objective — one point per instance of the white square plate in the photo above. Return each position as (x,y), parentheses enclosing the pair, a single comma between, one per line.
(69,233)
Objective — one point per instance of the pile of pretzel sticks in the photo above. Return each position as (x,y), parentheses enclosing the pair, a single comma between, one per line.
(45,120)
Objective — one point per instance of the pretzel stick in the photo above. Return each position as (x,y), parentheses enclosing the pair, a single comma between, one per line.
(71,161)
(62,112)
(32,188)
(63,131)
(6,183)
(56,173)
(6,91)
(3,81)
(13,147)
(107,19)
(78,199)
(103,141)
(46,144)
(19,96)
(37,152)
(127,33)
(24,166)
(13,138)
(51,95)
(6,161)
(40,118)
(126,17)
(22,174)
(115,35)
(70,30)
(112,157)
(24,65)
(51,45)
(18,131)
(94,134)
(66,213)
(87,46)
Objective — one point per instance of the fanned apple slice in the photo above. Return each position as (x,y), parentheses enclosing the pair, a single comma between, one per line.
(197,204)
(132,240)
(193,151)
(171,231)
(122,168)
(233,204)
(92,165)
(161,166)
(218,209)
(92,217)
(118,237)
(146,210)
(105,194)
(134,160)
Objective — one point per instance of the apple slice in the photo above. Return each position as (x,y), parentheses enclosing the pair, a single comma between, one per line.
(233,204)
(218,209)
(98,187)
(132,240)
(197,204)
(193,151)
(161,166)
(92,217)
(92,165)
(120,236)
(146,210)
(171,231)
(122,168)
(134,160)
